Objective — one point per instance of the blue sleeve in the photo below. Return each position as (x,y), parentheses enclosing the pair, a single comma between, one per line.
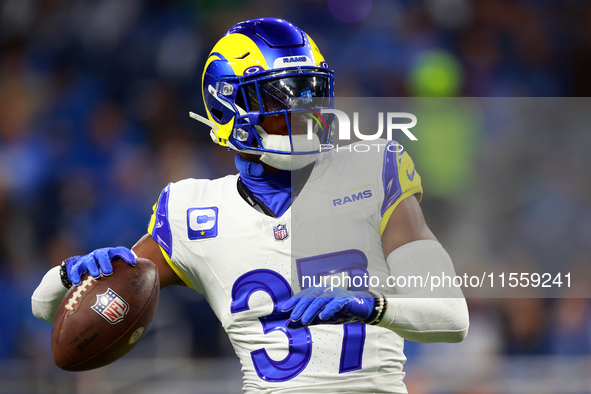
(159,227)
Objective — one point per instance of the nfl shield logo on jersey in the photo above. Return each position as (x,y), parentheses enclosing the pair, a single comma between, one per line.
(280,232)
(111,306)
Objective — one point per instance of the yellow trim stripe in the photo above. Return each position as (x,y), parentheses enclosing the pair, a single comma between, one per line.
(388,213)
(171,263)
(176,269)
(153,219)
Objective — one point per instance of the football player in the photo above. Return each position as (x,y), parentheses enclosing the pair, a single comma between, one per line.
(258,243)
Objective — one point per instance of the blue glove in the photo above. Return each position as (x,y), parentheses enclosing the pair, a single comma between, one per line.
(97,262)
(321,305)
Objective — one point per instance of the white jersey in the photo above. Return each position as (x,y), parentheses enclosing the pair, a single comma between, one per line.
(247,264)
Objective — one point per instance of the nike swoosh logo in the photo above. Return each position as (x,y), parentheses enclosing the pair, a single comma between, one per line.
(411,175)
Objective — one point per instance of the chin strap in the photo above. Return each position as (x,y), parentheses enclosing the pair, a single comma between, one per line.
(206,122)
(203,120)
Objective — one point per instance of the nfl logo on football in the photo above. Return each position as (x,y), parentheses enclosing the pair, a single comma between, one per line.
(280,232)
(111,306)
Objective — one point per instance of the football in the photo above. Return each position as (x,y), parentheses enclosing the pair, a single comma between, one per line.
(101,320)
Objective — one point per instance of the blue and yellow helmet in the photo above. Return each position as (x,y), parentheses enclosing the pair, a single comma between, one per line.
(265,67)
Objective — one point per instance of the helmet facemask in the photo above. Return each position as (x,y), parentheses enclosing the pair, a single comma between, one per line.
(297,95)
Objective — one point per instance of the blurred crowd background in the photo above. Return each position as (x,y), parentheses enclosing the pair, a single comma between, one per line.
(94,102)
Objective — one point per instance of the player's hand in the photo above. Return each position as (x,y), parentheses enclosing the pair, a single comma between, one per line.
(321,305)
(97,262)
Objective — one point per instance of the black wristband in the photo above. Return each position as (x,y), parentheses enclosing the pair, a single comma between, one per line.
(383,311)
(379,310)
(64,275)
